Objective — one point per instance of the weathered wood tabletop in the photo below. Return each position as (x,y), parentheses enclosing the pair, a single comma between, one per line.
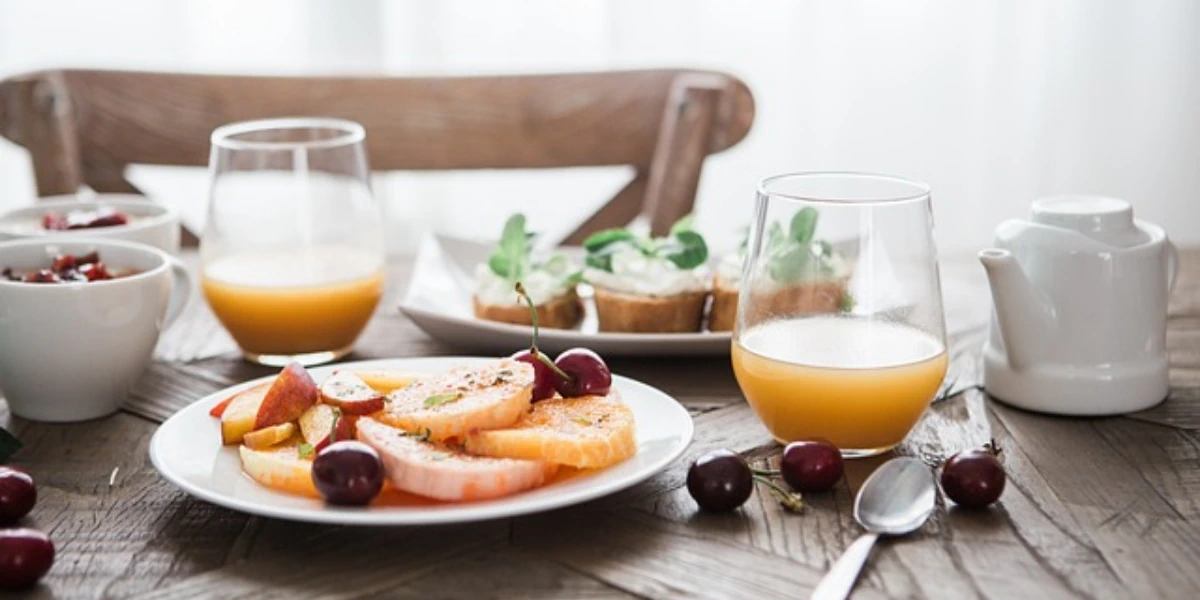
(1096,508)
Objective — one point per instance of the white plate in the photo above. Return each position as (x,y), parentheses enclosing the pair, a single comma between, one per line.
(439,301)
(187,450)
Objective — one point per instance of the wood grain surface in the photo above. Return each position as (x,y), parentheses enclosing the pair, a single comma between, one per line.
(1094,508)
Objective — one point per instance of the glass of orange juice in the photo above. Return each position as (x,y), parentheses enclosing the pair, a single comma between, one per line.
(840,333)
(292,254)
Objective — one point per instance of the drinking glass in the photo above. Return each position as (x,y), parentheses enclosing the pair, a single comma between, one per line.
(840,333)
(292,255)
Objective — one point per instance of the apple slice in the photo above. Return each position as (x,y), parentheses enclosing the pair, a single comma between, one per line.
(240,414)
(348,392)
(219,409)
(386,382)
(292,392)
(265,438)
(317,422)
(280,468)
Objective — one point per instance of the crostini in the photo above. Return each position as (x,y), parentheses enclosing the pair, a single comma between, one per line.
(648,285)
(550,283)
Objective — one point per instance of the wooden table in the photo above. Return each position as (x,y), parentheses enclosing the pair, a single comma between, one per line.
(1098,508)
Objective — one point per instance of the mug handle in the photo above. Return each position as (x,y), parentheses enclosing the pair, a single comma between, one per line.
(181,291)
(1172,266)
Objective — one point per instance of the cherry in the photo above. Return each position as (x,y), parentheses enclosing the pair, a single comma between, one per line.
(25,556)
(18,494)
(41,276)
(544,379)
(974,478)
(348,473)
(811,466)
(587,374)
(720,481)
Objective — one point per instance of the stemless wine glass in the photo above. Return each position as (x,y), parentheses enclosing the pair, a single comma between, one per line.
(840,332)
(292,255)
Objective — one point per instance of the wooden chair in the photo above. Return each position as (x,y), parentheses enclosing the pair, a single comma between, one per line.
(84,127)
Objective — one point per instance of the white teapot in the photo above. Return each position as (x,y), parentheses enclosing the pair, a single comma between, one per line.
(1080,308)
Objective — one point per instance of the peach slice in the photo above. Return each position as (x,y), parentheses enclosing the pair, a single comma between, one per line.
(240,414)
(280,468)
(317,422)
(265,438)
(219,409)
(386,382)
(292,392)
(348,392)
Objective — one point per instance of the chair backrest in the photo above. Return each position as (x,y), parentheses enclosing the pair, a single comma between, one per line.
(84,127)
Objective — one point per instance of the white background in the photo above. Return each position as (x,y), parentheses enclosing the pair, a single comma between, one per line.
(994,103)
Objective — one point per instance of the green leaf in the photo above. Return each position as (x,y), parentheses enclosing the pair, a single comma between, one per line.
(440,399)
(511,260)
(601,239)
(582,421)
(306,450)
(683,224)
(791,263)
(803,224)
(847,303)
(8,445)
(688,250)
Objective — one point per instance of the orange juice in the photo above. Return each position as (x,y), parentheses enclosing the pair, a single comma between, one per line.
(860,384)
(311,300)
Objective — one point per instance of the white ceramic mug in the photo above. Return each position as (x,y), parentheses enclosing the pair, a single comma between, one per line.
(150,223)
(72,351)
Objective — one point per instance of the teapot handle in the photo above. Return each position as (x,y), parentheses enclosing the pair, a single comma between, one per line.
(1172,265)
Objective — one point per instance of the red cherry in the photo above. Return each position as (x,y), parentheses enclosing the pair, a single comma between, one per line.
(589,375)
(18,494)
(25,556)
(544,378)
(811,466)
(973,478)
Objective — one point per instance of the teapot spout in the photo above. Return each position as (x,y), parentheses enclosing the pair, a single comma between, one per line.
(1025,318)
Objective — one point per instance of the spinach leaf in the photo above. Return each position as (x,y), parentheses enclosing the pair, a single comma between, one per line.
(803,224)
(510,260)
(687,250)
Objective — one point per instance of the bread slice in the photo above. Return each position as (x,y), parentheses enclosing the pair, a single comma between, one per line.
(812,297)
(723,312)
(465,399)
(561,312)
(635,313)
(590,432)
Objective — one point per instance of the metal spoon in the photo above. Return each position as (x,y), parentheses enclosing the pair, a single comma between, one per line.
(896,499)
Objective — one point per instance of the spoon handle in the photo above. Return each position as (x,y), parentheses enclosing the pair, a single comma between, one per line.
(838,582)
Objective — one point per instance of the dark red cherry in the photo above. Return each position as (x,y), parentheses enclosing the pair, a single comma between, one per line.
(589,375)
(18,494)
(973,478)
(720,481)
(544,378)
(811,466)
(25,556)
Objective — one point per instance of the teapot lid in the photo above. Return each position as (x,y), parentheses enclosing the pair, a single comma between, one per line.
(1104,219)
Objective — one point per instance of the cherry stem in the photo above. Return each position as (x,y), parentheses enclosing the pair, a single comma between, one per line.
(765,472)
(792,501)
(533,349)
(993,447)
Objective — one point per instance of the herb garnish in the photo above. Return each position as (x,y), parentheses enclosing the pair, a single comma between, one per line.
(422,435)
(513,257)
(794,256)
(440,399)
(682,246)
(306,450)
(582,421)
(337,416)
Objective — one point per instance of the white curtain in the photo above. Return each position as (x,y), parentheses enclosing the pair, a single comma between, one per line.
(994,103)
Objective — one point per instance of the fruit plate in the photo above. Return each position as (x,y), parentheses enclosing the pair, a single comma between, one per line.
(187,451)
(438,300)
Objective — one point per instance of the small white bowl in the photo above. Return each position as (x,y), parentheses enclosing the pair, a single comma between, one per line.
(151,223)
(71,351)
